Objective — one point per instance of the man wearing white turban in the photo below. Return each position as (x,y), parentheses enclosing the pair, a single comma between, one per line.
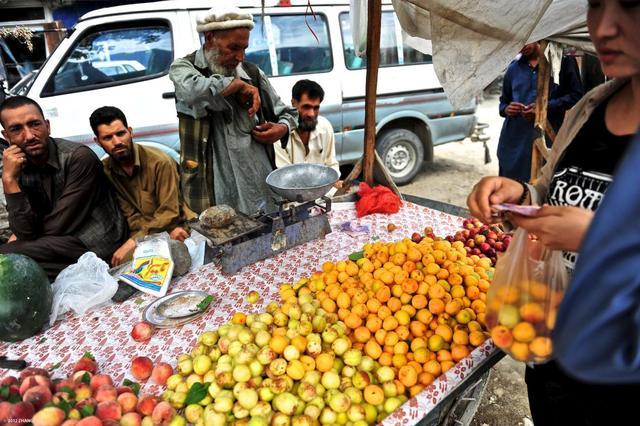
(229,117)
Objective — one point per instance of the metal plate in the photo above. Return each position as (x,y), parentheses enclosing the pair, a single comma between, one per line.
(180,301)
(302,182)
(239,227)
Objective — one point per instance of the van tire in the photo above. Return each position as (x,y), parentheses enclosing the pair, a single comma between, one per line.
(402,153)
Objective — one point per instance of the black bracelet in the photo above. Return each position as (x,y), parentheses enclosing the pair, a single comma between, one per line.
(525,192)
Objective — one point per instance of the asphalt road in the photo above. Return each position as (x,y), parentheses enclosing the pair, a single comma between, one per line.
(456,168)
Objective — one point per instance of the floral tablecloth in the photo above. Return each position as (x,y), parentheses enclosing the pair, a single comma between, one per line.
(105,332)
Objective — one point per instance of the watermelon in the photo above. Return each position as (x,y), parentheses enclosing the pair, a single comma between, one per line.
(25,297)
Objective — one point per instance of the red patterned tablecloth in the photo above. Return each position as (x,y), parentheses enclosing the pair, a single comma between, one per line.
(105,332)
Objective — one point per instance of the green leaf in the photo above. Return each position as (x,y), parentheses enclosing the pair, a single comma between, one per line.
(68,390)
(55,366)
(86,378)
(14,398)
(65,406)
(139,301)
(196,393)
(204,304)
(88,355)
(4,392)
(87,410)
(135,387)
(356,255)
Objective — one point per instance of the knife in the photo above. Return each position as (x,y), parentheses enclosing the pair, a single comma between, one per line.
(13,364)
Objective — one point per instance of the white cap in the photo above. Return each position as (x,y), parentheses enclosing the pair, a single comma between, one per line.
(224,17)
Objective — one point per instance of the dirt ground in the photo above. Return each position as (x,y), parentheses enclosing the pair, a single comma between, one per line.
(456,168)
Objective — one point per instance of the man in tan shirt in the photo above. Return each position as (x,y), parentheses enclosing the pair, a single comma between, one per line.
(145,180)
(312,141)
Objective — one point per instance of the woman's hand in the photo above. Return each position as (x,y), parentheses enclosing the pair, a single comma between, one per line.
(492,190)
(557,227)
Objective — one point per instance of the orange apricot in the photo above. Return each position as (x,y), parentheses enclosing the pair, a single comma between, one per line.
(408,375)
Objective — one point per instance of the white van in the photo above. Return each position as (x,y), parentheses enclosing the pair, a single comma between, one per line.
(120,56)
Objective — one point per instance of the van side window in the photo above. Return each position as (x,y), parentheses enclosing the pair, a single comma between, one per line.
(297,50)
(393,51)
(258,50)
(107,57)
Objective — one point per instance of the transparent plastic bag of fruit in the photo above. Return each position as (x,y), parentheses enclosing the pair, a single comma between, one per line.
(524,298)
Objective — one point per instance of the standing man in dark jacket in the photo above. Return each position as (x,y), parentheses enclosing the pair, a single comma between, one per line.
(517,105)
(59,201)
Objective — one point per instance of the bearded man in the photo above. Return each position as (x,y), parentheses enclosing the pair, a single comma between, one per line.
(60,203)
(145,181)
(312,141)
(229,118)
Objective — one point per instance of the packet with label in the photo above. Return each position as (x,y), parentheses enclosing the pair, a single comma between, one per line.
(152,266)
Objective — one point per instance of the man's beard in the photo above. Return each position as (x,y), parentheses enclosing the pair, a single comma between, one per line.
(211,55)
(124,155)
(307,125)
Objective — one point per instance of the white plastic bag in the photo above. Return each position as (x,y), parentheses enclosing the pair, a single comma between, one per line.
(358,12)
(82,286)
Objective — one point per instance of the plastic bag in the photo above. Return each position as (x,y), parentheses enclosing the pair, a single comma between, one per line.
(522,303)
(378,199)
(82,286)
(152,266)
(358,12)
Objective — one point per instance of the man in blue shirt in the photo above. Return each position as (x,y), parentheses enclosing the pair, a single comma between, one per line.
(517,105)
(597,334)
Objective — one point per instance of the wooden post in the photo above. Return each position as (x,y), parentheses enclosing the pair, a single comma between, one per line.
(539,148)
(374,18)
(53,34)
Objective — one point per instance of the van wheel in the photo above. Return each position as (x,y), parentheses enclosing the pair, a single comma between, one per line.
(402,153)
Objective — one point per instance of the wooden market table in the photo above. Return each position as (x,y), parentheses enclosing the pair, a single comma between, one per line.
(105,331)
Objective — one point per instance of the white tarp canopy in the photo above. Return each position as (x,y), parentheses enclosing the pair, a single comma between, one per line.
(473,41)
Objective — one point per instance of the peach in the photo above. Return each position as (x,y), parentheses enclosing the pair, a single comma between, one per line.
(109,410)
(38,396)
(99,380)
(90,421)
(142,331)
(541,347)
(141,367)
(128,401)
(162,413)
(501,336)
(124,389)
(5,410)
(83,391)
(146,404)
(131,419)
(161,372)
(110,423)
(105,393)
(70,422)
(86,363)
(33,371)
(532,312)
(9,380)
(519,351)
(524,332)
(147,421)
(22,410)
(48,416)
(32,381)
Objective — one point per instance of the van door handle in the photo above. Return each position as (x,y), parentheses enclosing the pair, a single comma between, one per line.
(169,95)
